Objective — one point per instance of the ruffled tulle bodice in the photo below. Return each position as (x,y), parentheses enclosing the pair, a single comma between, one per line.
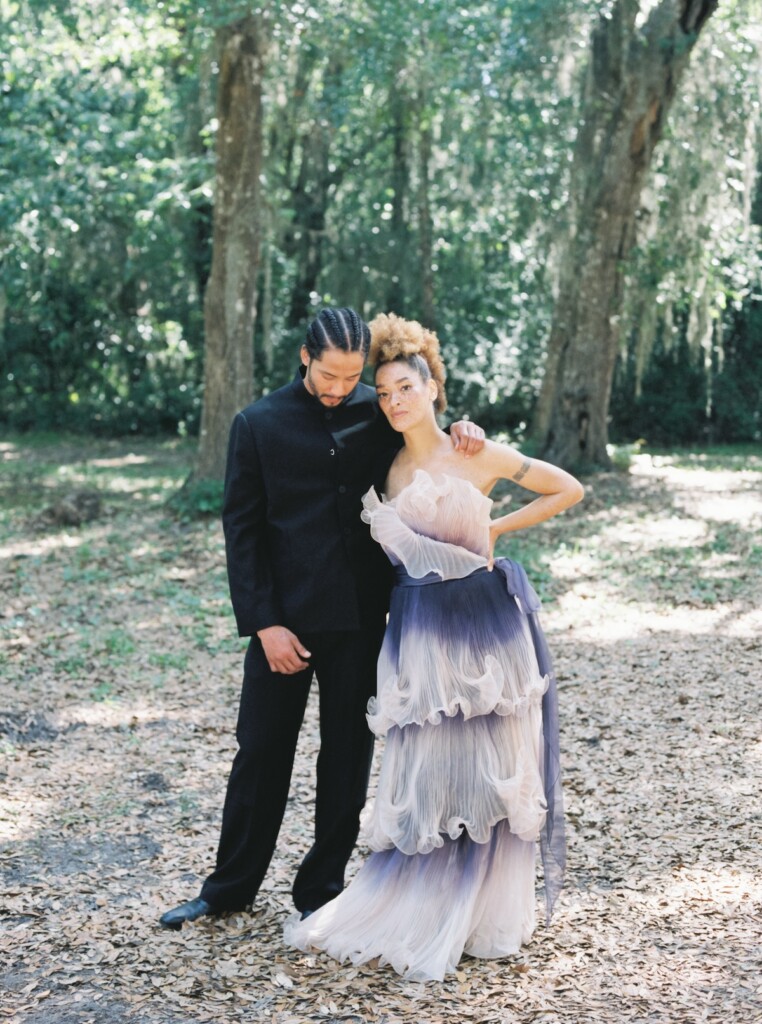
(439,526)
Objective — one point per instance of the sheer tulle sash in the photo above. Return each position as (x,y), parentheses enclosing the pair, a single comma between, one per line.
(404,579)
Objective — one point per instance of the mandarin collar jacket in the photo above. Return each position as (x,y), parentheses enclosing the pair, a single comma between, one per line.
(298,553)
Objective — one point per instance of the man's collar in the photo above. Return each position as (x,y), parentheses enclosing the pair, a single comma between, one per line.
(298,384)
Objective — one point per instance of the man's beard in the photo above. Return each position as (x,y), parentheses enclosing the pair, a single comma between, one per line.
(314,390)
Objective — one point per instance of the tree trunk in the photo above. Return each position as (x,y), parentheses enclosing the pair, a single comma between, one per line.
(198,111)
(632,79)
(267,293)
(396,294)
(230,300)
(425,222)
(310,201)
(311,193)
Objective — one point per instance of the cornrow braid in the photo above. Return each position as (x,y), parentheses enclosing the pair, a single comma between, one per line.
(337,328)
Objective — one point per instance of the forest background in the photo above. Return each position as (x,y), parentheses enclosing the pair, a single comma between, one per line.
(406,156)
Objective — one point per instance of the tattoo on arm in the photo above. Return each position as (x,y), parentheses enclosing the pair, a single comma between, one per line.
(520,473)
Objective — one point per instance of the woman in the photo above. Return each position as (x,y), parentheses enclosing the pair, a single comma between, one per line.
(466,699)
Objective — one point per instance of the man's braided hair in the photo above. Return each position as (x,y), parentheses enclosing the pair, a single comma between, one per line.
(337,328)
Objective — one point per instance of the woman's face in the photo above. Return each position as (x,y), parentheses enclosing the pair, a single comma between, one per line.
(404,396)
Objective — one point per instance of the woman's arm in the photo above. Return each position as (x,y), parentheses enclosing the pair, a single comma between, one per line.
(557,489)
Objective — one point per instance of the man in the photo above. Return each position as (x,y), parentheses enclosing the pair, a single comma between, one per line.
(310,587)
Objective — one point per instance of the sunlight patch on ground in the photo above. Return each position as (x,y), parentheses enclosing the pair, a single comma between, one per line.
(114,713)
(574,566)
(745,624)
(733,508)
(146,550)
(684,619)
(44,545)
(125,460)
(181,575)
(725,886)
(596,617)
(20,817)
(601,618)
(694,478)
(722,496)
(654,533)
(132,485)
(100,532)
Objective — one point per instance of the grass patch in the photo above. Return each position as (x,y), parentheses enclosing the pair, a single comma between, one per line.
(197,499)
(715,457)
(35,469)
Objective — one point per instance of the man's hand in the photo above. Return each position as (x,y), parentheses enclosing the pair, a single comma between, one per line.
(467,437)
(284,650)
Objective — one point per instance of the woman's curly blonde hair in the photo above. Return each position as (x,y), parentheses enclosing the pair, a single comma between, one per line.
(393,339)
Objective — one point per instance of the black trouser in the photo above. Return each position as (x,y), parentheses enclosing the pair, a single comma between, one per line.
(269,719)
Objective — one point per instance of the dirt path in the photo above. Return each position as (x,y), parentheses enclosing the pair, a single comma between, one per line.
(120,674)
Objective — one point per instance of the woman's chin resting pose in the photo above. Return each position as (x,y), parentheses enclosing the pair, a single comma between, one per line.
(466,700)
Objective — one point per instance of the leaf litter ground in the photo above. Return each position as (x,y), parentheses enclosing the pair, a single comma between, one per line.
(120,676)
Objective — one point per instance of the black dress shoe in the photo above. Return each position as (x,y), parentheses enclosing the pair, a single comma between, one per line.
(189,911)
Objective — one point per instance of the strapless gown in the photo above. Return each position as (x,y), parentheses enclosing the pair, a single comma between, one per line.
(469,780)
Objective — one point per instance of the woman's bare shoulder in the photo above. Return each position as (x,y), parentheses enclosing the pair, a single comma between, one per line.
(399,476)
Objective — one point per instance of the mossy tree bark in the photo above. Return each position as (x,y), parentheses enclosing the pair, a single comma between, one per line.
(634,72)
(231,295)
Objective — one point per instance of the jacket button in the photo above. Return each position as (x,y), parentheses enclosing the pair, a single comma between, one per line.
(342,489)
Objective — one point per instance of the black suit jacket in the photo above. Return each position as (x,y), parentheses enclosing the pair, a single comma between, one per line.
(298,554)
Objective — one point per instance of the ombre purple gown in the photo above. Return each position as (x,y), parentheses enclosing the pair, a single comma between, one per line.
(469,777)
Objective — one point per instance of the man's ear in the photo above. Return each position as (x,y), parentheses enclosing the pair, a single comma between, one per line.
(305,356)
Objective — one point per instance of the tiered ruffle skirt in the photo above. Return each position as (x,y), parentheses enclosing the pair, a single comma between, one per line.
(465,785)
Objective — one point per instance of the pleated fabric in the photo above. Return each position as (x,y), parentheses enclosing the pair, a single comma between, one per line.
(469,779)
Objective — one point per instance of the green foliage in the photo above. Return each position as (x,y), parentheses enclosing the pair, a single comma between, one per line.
(681,403)
(737,399)
(622,455)
(101,319)
(417,160)
(673,412)
(483,81)
(197,499)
